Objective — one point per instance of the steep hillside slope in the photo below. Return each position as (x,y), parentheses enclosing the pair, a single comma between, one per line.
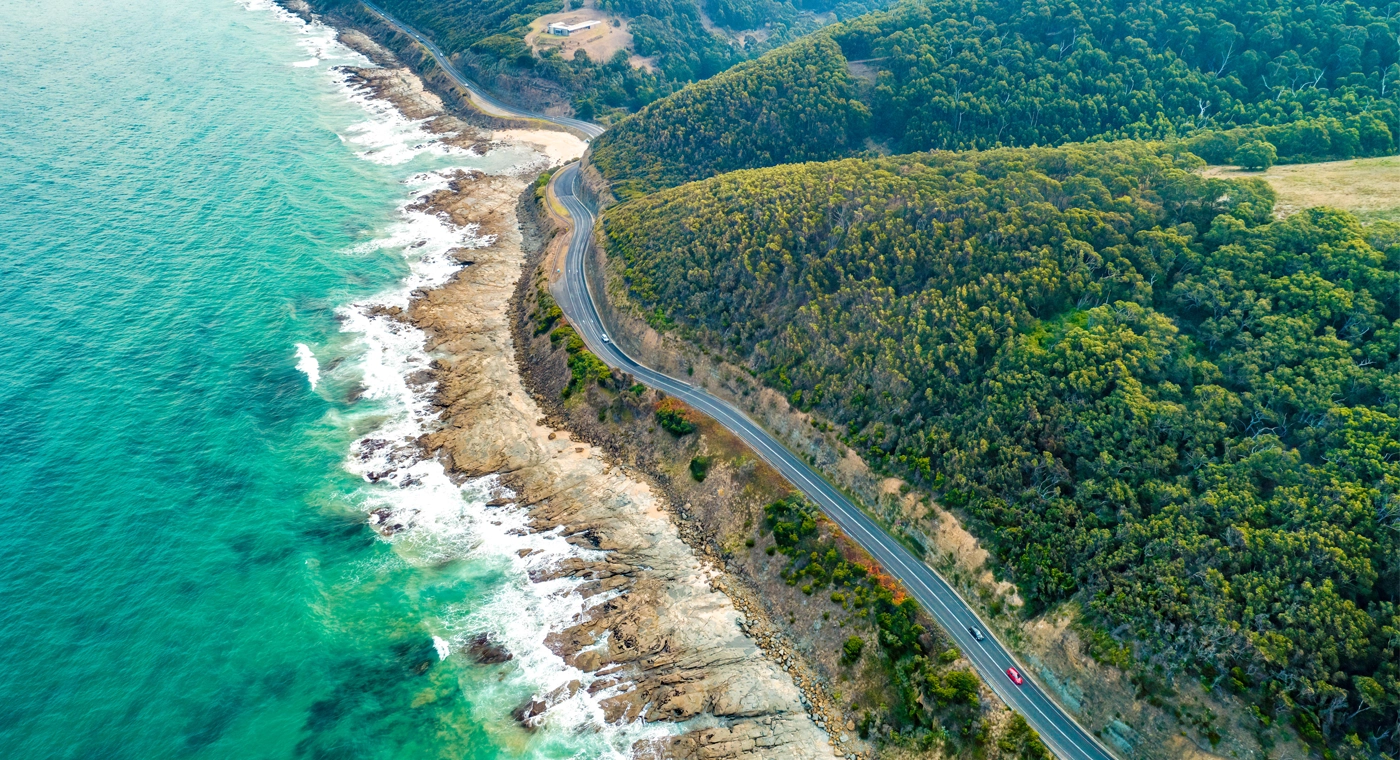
(795,104)
(680,43)
(1315,79)
(1143,391)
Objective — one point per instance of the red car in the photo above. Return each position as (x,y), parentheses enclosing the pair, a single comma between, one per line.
(1015,676)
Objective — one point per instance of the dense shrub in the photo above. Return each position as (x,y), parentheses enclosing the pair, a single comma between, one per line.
(932,695)
(584,366)
(699,468)
(674,418)
(546,312)
(1256,154)
(851,650)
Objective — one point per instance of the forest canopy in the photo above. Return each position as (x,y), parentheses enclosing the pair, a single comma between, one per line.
(1316,79)
(488,38)
(794,104)
(1145,392)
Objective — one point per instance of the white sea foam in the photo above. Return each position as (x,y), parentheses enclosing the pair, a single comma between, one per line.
(412,501)
(317,39)
(307,364)
(433,521)
(388,137)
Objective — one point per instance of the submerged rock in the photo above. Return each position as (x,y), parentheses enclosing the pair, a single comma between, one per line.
(487,652)
(531,709)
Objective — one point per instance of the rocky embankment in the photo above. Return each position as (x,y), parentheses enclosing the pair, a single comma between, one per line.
(391,81)
(662,644)
(658,641)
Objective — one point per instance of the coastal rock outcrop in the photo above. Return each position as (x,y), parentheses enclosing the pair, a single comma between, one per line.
(394,82)
(658,640)
(662,644)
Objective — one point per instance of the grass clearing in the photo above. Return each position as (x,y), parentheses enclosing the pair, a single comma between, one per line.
(1367,187)
(600,43)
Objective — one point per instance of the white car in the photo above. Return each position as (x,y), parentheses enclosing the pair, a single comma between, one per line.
(605,337)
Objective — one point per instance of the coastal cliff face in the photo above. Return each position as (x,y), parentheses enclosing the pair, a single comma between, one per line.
(657,640)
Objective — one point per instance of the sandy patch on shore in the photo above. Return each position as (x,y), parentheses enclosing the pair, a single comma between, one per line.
(559,146)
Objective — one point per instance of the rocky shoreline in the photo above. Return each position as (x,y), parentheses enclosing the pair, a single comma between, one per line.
(658,640)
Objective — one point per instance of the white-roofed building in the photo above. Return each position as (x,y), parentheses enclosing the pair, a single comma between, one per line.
(559,29)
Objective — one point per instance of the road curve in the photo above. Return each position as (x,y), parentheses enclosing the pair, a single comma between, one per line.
(1065,737)
(478,92)
(1060,732)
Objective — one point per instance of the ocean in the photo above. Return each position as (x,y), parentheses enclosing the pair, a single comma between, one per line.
(196,213)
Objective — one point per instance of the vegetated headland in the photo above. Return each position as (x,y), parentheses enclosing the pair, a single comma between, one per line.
(1314,81)
(1140,411)
(1096,356)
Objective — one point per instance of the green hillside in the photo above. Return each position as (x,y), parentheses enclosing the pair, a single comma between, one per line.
(794,104)
(1316,79)
(488,38)
(1144,391)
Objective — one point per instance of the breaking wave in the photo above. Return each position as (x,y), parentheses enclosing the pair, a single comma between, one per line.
(307,365)
(410,500)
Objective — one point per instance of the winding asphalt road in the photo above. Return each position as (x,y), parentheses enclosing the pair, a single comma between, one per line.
(1066,738)
(479,93)
(1060,732)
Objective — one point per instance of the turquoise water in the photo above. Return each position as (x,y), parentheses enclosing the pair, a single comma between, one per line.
(188,568)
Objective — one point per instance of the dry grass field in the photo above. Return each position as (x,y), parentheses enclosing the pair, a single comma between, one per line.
(1367,187)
